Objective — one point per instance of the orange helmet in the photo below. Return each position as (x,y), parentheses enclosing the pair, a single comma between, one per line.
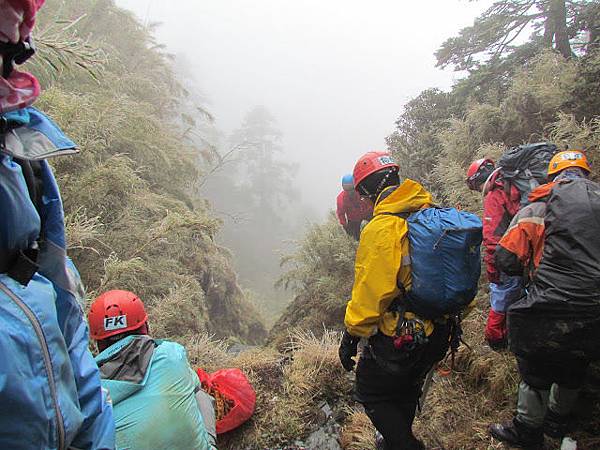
(116,312)
(370,163)
(567,159)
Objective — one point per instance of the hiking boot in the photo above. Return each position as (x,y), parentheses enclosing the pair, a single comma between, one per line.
(412,444)
(379,441)
(498,346)
(555,425)
(518,434)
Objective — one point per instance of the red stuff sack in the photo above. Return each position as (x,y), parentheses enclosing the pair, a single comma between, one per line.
(235,398)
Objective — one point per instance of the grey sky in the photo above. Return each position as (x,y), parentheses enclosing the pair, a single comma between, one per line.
(334,73)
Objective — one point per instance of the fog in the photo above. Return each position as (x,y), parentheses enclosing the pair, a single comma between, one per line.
(334,73)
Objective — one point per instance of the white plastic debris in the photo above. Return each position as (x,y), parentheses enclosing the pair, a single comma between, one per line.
(568,444)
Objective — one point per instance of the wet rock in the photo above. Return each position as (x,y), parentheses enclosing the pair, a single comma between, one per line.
(326,436)
(324,439)
(236,349)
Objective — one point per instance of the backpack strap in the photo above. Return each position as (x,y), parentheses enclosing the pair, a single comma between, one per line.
(21,265)
(3,130)
(455,339)
(403,215)
(32,172)
(398,304)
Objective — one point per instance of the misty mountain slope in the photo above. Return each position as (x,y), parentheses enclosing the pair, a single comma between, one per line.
(254,187)
(320,272)
(136,221)
(133,218)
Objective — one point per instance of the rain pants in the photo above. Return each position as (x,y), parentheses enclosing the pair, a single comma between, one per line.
(50,392)
(153,390)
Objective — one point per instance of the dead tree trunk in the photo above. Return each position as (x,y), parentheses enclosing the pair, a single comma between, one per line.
(555,32)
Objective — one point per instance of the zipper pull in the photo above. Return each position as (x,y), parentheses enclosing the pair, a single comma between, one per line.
(3,131)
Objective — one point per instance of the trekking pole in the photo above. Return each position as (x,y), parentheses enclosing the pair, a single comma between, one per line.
(425,389)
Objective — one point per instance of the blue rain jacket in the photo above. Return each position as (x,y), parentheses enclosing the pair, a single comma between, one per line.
(50,390)
(153,390)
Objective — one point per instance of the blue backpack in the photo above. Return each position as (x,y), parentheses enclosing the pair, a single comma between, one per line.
(445,260)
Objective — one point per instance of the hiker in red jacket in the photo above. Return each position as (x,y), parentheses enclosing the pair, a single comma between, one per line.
(351,208)
(501,201)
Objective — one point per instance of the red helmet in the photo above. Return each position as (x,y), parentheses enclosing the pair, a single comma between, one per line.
(116,312)
(478,172)
(476,165)
(370,163)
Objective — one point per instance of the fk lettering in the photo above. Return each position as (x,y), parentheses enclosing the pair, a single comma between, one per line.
(115,323)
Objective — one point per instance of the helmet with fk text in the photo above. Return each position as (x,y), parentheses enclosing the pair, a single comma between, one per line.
(567,160)
(115,312)
(370,163)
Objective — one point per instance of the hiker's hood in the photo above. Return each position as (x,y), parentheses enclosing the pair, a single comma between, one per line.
(34,136)
(409,196)
(541,192)
(124,366)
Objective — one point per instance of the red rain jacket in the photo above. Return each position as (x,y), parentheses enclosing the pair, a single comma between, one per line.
(352,208)
(500,204)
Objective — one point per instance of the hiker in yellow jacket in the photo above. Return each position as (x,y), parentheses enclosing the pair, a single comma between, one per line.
(388,379)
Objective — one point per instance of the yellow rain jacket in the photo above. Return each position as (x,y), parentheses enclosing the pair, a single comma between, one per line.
(383,262)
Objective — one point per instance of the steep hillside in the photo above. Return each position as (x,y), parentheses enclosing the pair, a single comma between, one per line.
(134,220)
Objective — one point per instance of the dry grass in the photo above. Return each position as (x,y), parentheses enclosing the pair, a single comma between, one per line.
(292,384)
(315,370)
(358,433)
(479,391)
(181,312)
(207,352)
(83,232)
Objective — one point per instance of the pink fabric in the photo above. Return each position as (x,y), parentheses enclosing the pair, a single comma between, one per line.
(17,18)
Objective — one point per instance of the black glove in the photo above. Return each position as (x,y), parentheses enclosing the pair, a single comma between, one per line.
(348,350)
